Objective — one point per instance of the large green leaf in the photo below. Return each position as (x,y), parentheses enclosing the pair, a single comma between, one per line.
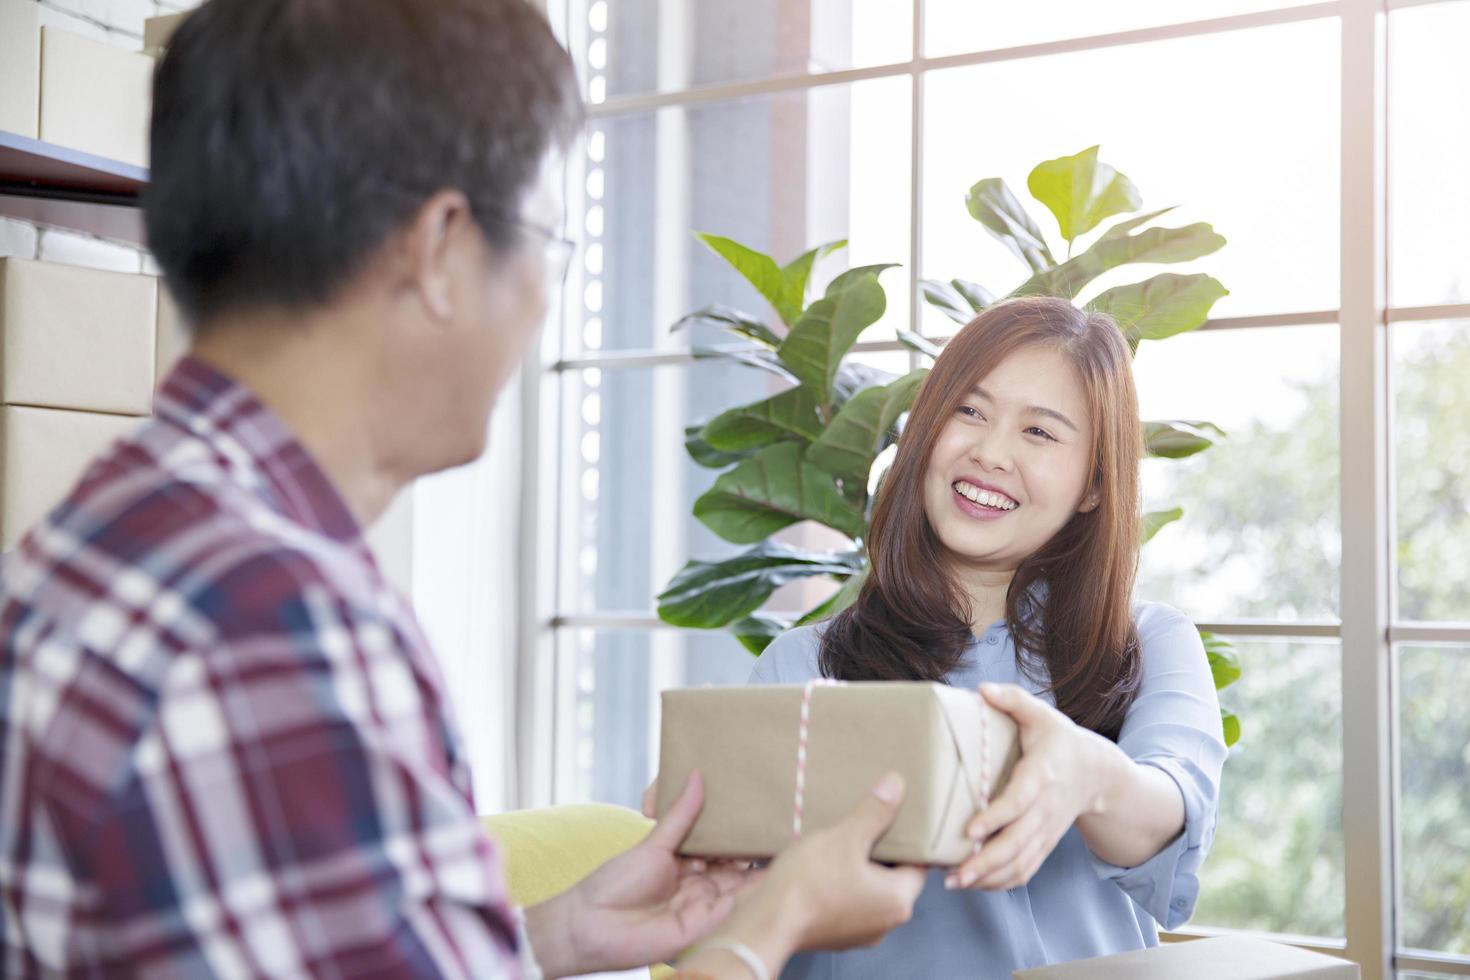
(773,489)
(760,270)
(1230,726)
(853,377)
(975,294)
(792,413)
(838,601)
(1224,660)
(1160,307)
(860,431)
(844,279)
(1177,439)
(1081,192)
(943,297)
(826,332)
(708,595)
(760,359)
(993,205)
(742,325)
(1151,245)
(706,455)
(1122,228)
(799,270)
(919,345)
(756,632)
(1156,520)
(957,299)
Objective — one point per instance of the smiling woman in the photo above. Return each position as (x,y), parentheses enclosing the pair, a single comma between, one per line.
(1021,461)
(1003,547)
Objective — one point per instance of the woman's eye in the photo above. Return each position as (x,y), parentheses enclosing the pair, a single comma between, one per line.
(971,411)
(1038,431)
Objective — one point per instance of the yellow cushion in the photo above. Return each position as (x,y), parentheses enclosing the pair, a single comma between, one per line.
(545,852)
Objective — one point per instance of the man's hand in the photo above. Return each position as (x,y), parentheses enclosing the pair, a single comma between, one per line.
(844,899)
(642,907)
(824,892)
(650,800)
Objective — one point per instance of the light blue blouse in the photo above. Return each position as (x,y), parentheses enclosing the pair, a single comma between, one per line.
(1076,905)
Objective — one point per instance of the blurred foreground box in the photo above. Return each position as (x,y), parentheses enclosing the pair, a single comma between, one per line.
(1220,958)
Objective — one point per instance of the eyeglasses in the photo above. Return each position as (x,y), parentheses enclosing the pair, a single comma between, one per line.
(559,248)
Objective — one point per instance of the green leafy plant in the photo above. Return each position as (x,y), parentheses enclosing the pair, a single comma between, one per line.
(803,454)
(808,452)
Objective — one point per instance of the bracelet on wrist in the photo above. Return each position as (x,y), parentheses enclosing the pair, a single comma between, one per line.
(741,952)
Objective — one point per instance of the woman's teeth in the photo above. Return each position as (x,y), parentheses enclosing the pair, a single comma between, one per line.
(985,498)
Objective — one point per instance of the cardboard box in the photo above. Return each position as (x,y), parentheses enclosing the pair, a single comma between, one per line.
(173,336)
(158,30)
(20,67)
(76,338)
(1220,958)
(43,452)
(95,96)
(953,750)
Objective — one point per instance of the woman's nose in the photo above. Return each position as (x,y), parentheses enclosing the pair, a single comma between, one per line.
(991,451)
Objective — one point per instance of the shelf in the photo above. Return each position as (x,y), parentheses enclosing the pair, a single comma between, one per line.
(53,185)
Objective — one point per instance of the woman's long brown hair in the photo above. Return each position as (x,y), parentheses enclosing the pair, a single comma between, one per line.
(911,620)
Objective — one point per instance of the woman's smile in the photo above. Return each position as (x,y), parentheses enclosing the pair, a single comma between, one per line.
(982,501)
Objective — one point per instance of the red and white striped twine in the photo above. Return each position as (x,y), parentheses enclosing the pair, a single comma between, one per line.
(806,714)
(984,762)
(801,740)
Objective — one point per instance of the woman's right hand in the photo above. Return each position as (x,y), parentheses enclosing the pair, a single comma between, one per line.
(825,891)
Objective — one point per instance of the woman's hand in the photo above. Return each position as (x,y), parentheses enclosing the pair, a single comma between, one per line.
(1055,782)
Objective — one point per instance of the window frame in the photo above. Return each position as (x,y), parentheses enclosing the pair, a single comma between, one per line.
(1368,628)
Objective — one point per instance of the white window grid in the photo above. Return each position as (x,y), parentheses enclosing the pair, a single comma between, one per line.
(1368,628)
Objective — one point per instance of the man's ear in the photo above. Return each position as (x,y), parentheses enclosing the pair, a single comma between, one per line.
(429,249)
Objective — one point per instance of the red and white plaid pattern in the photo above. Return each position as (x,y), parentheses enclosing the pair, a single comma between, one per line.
(224,747)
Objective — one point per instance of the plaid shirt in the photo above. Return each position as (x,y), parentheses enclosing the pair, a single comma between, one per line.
(224,747)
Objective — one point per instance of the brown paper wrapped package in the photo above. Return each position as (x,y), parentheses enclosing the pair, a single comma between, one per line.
(953,750)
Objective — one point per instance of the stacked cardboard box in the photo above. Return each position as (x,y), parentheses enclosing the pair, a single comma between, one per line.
(158,30)
(70,90)
(80,355)
(20,67)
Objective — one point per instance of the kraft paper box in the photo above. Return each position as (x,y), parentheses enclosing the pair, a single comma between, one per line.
(76,338)
(1221,958)
(173,335)
(20,67)
(94,96)
(158,31)
(43,452)
(953,750)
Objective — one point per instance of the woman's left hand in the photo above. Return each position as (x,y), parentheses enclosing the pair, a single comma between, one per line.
(1050,787)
